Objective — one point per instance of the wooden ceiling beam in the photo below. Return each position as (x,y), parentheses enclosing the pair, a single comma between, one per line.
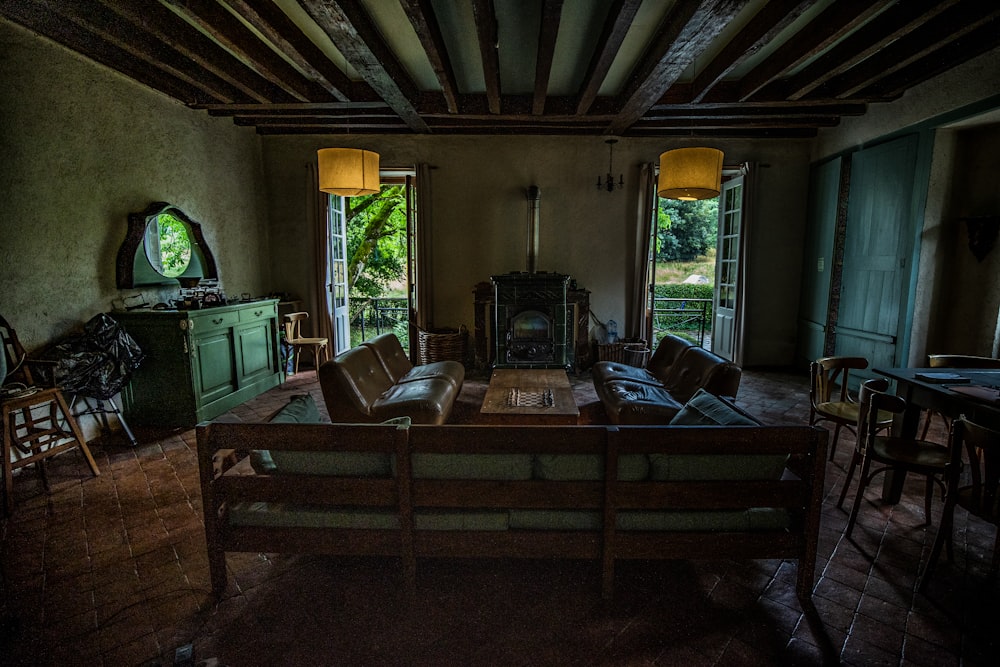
(932,35)
(239,40)
(168,28)
(773,18)
(688,29)
(616,25)
(425,23)
(39,17)
(350,28)
(826,29)
(288,38)
(488,33)
(893,24)
(547,33)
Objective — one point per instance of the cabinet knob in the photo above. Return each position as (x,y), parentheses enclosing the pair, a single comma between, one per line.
(258,313)
(218,321)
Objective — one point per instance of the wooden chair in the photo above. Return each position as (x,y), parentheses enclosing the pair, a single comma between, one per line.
(293,337)
(980,497)
(954,361)
(37,421)
(889,452)
(840,409)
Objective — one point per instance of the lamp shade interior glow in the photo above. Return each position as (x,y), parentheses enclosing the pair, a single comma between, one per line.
(689,174)
(348,172)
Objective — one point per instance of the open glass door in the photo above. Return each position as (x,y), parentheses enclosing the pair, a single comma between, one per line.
(728,269)
(337,300)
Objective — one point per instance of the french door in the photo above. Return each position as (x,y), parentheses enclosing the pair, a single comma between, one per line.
(728,270)
(336,278)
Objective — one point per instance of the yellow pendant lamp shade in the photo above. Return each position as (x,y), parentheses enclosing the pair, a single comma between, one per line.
(348,172)
(690,173)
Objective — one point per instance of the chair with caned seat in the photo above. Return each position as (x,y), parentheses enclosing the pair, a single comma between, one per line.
(37,421)
(294,338)
(888,452)
(978,492)
(827,376)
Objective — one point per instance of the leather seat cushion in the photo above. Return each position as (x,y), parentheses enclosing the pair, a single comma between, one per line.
(605,371)
(628,402)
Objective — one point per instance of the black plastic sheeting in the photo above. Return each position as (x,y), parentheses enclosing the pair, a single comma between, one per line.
(96,363)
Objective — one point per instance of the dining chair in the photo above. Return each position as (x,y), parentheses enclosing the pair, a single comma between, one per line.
(953,361)
(293,337)
(37,421)
(829,398)
(887,451)
(978,492)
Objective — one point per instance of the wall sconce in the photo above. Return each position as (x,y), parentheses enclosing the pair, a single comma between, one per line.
(609,182)
(983,231)
(689,174)
(348,172)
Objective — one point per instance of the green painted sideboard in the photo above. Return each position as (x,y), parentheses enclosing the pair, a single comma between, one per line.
(200,363)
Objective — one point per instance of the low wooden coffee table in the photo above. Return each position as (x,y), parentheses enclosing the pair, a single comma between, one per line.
(529,396)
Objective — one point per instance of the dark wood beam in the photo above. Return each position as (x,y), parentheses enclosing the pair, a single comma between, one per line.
(224,28)
(297,107)
(166,27)
(932,35)
(734,111)
(773,18)
(970,45)
(425,23)
(109,26)
(894,23)
(488,33)
(616,25)
(40,18)
(688,29)
(352,31)
(268,19)
(547,33)
(832,24)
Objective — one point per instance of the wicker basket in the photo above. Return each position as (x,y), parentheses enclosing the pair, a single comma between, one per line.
(443,344)
(616,351)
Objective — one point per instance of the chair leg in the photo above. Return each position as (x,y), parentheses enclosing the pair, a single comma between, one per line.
(859,496)
(928,496)
(848,478)
(8,472)
(833,441)
(298,357)
(996,551)
(943,537)
(78,434)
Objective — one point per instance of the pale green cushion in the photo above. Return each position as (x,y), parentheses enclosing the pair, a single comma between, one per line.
(302,410)
(704,409)
(282,515)
(758,518)
(556,520)
(505,467)
(582,467)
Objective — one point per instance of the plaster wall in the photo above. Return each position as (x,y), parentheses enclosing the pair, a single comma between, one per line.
(82,147)
(479,218)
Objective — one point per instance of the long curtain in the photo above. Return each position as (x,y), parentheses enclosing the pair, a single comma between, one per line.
(635,315)
(422,301)
(746,232)
(319,303)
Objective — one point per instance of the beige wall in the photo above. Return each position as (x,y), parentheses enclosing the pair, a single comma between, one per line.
(82,147)
(479,218)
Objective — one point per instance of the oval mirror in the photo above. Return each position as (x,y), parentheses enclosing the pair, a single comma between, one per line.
(162,247)
(167,244)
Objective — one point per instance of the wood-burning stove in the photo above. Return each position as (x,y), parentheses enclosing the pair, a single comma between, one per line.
(531,321)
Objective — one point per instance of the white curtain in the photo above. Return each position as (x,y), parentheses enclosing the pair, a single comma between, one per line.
(423,298)
(636,309)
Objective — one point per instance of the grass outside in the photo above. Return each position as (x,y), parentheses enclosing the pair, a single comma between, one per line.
(676,272)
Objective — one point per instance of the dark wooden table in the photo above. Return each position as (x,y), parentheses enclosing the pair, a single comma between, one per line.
(536,396)
(922,395)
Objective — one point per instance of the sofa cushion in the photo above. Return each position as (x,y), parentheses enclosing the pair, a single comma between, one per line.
(588,467)
(390,354)
(605,371)
(702,410)
(427,401)
(757,518)
(351,383)
(666,353)
(302,410)
(503,467)
(284,515)
(627,402)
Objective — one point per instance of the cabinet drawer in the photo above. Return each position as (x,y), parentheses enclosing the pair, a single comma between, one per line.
(258,311)
(211,321)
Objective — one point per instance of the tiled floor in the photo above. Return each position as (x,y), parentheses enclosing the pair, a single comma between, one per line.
(112,571)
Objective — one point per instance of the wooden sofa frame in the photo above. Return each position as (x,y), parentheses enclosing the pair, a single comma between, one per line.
(799,492)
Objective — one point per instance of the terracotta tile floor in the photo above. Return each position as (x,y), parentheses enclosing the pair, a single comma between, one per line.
(112,571)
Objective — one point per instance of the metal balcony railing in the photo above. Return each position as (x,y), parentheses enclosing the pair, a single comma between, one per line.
(681,316)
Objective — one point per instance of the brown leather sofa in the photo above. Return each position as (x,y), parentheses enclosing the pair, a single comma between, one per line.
(655,394)
(375,381)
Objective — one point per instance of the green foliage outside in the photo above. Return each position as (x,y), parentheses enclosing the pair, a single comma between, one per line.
(686,229)
(175,246)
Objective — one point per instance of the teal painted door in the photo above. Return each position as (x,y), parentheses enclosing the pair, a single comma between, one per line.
(818,261)
(255,352)
(215,369)
(877,252)
(728,269)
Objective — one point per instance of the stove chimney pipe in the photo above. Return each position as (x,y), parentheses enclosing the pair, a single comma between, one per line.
(534,206)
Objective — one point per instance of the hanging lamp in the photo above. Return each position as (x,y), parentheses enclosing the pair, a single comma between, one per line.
(689,174)
(348,172)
